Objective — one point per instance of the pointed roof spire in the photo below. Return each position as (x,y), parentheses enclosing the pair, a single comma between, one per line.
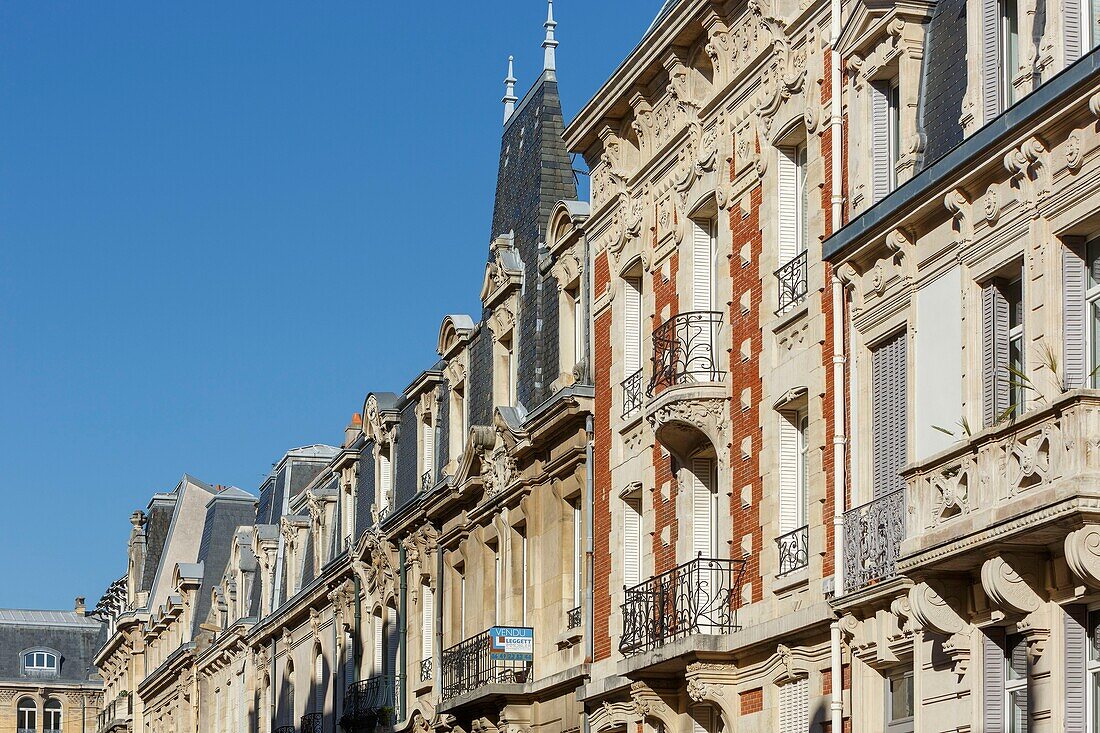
(550,64)
(510,97)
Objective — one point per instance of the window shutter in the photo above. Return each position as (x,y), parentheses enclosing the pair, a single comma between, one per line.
(794,707)
(429,447)
(632,543)
(995,374)
(702,502)
(578,553)
(1074,620)
(880,140)
(632,326)
(993,680)
(392,636)
(1071,29)
(701,254)
(578,327)
(889,415)
(349,660)
(378,632)
(1074,280)
(991,60)
(427,622)
(385,481)
(319,684)
(702,719)
(789,470)
(788,206)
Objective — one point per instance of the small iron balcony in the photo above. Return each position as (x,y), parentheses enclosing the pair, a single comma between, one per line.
(426,481)
(632,393)
(369,701)
(685,350)
(698,597)
(426,669)
(794,550)
(792,281)
(313,723)
(573,618)
(473,664)
(872,538)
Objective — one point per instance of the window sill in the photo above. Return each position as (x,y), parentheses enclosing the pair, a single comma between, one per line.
(795,579)
(796,312)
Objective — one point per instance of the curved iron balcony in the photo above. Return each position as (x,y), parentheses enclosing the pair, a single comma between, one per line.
(794,550)
(698,597)
(872,539)
(470,665)
(369,701)
(685,350)
(313,723)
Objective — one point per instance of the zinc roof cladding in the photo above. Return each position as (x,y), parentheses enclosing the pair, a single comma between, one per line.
(225,514)
(21,617)
(666,8)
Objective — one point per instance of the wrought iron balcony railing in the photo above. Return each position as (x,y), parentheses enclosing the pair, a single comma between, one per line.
(426,480)
(632,393)
(698,597)
(794,550)
(426,669)
(872,538)
(791,278)
(286,729)
(313,723)
(471,665)
(685,350)
(370,700)
(573,618)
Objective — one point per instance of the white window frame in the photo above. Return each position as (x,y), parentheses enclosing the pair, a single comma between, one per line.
(48,712)
(903,724)
(1010,49)
(1092,315)
(1012,685)
(893,131)
(26,714)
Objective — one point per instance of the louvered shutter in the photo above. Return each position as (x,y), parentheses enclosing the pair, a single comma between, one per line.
(1075,619)
(701,262)
(429,447)
(632,326)
(788,206)
(794,707)
(385,481)
(993,680)
(889,415)
(427,622)
(1071,29)
(498,586)
(991,60)
(379,631)
(789,471)
(1074,284)
(319,684)
(995,375)
(880,140)
(702,503)
(702,719)
(632,543)
(349,660)
(578,553)
(578,327)
(392,635)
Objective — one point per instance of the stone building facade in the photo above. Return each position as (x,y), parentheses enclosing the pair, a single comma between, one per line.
(789,427)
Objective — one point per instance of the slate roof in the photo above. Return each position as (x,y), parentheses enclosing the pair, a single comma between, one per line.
(75,637)
(942,85)
(225,513)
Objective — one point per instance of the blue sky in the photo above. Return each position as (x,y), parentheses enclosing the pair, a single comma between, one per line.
(222,224)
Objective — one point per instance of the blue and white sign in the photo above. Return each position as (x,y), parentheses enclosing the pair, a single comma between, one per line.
(511,644)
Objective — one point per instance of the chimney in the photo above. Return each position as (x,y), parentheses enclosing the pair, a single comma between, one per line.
(351,432)
(79,607)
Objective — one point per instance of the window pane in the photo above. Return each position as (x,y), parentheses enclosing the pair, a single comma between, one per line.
(1017,657)
(1094,317)
(901,697)
(1018,711)
(1094,635)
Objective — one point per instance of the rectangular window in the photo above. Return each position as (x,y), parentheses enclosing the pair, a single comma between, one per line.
(704,501)
(1002,350)
(385,481)
(578,552)
(379,636)
(702,262)
(1015,683)
(427,621)
(427,453)
(889,414)
(899,703)
(794,706)
(793,203)
(632,325)
(885,137)
(632,542)
(893,126)
(1010,49)
(792,470)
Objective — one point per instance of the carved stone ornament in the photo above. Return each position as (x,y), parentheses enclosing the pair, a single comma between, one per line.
(1007,588)
(992,205)
(958,206)
(1074,151)
(707,415)
(648,704)
(1026,168)
(933,612)
(1082,549)
(957,649)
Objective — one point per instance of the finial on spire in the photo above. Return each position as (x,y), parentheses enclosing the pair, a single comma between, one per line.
(550,64)
(510,97)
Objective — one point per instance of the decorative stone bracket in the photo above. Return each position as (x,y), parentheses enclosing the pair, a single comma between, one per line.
(1082,548)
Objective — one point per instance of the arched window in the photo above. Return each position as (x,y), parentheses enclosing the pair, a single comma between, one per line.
(318,682)
(51,716)
(27,718)
(39,663)
(290,704)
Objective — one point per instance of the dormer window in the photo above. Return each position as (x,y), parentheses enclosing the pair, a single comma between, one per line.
(40,663)
(504,375)
(385,481)
(427,452)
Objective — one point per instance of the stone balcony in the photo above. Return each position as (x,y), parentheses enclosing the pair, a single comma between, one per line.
(1015,490)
